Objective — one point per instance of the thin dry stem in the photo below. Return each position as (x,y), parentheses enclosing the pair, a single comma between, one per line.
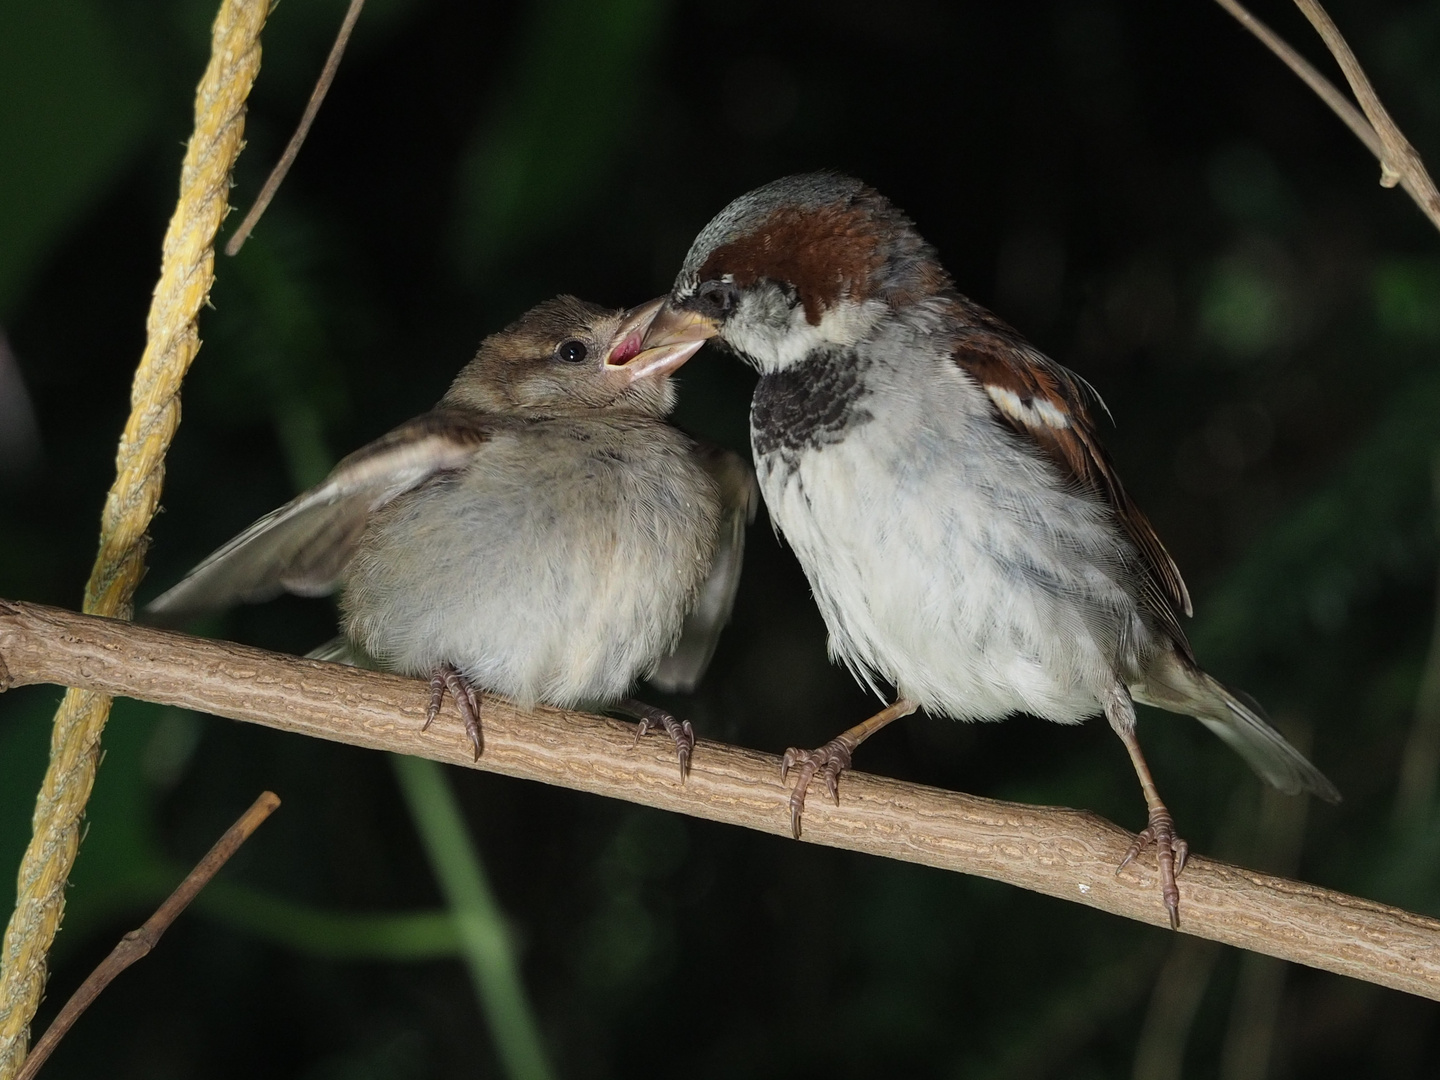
(292,149)
(1327,91)
(1381,135)
(1401,162)
(137,944)
(1256,1008)
(1179,989)
(1064,853)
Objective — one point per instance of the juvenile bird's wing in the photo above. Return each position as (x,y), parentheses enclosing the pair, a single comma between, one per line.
(739,497)
(305,545)
(1046,403)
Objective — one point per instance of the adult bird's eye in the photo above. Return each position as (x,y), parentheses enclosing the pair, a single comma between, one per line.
(716,298)
(572,352)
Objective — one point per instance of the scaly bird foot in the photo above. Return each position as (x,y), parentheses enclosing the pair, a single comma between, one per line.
(467,700)
(1170,853)
(831,759)
(652,719)
(834,757)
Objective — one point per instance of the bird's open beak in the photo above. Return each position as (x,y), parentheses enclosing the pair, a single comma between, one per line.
(654,339)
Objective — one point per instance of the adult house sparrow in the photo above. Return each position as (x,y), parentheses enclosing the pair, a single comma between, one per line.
(543,532)
(943,486)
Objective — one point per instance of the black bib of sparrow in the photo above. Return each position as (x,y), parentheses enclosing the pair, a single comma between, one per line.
(808,405)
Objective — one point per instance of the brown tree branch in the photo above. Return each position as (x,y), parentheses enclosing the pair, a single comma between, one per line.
(1066,853)
(137,944)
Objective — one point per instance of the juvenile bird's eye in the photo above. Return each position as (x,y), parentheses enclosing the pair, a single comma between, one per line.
(572,352)
(716,298)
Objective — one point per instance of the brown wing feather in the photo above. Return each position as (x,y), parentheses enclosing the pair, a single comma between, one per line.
(1046,403)
(304,546)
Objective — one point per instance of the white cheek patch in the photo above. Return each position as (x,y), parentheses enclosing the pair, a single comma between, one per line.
(847,323)
(1034,412)
(775,340)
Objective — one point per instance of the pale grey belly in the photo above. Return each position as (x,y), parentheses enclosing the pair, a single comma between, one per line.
(560,587)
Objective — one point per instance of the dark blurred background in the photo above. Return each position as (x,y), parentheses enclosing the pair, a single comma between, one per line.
(1139,187)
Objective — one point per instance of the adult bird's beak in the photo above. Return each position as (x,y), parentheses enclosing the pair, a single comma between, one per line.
(654,339)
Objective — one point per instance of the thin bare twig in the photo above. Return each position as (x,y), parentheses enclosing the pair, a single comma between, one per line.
(137,944)
(1382,137)
(1327,91)
(317,97)
(1069,854)
(1401,163)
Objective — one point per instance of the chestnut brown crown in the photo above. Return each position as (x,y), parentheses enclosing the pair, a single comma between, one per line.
(820,239)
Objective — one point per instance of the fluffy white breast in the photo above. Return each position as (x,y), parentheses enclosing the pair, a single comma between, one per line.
(946,557)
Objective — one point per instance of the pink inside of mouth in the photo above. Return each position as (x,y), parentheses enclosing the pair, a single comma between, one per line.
(627,350)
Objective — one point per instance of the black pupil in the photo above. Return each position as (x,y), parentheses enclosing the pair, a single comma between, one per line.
(572,352)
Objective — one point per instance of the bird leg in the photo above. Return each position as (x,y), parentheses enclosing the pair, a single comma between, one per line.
(651,719)
(1170,851)
(833,758)
(467,700)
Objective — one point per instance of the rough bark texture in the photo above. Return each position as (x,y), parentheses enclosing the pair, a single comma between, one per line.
(1066,853)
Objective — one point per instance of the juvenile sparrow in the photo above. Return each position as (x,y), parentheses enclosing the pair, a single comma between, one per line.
(944,488)
(543,532)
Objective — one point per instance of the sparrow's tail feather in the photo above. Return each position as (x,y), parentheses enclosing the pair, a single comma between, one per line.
(1181,687)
